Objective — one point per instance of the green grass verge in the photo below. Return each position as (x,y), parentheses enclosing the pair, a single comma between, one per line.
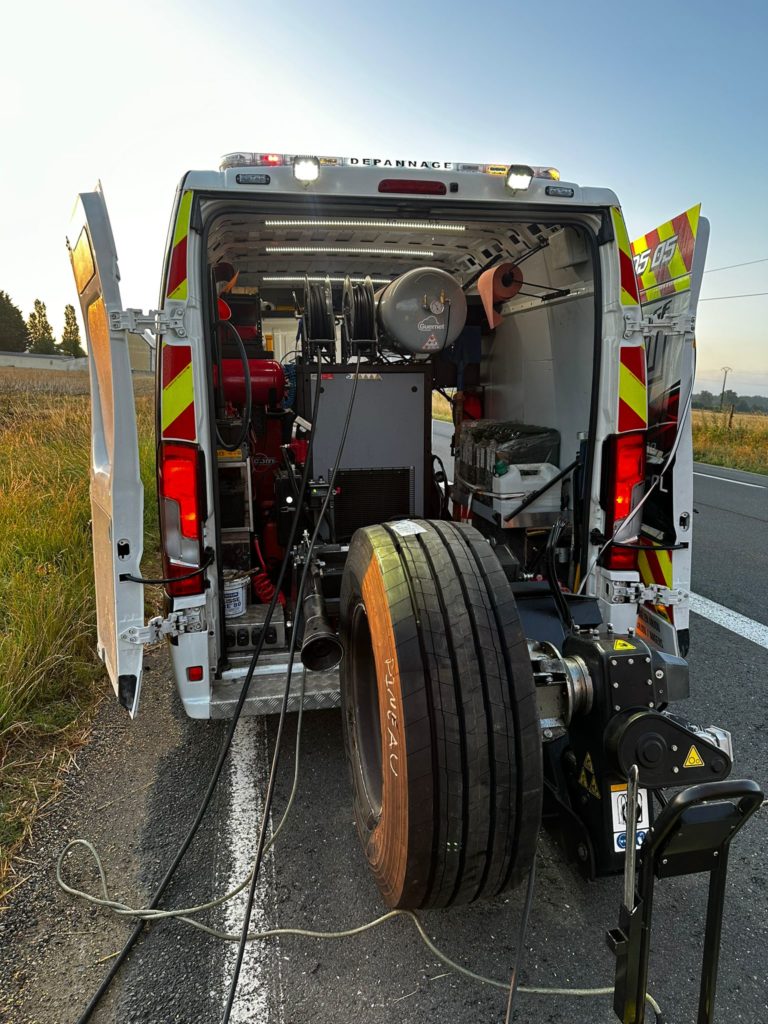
(50,679)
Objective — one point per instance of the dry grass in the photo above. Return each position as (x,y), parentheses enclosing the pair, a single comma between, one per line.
(441,408)
(742,445)
(50,679)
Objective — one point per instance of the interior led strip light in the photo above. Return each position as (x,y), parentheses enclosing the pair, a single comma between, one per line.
(395,225)
(299,278)
(347,250)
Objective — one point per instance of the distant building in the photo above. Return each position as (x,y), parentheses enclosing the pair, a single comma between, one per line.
(142,357)
(142,354)
(37,361)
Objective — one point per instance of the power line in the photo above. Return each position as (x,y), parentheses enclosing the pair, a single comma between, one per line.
(747,295)
(732,266)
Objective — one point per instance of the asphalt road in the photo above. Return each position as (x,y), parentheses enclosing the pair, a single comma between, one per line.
(138,785)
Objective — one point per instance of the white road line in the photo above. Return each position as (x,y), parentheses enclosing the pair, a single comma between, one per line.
(260,973)
(727,480)
(740,624)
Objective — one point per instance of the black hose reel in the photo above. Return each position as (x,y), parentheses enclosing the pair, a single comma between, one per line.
(358,323)
(318,324)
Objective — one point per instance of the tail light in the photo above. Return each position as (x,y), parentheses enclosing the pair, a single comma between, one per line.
(623,487)
(182,510)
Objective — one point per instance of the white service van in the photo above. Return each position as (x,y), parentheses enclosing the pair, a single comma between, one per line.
(311,309)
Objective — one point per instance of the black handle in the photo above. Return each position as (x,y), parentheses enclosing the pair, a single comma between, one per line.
(747,792)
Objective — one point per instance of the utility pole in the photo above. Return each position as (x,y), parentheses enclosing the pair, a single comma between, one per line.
(726,370)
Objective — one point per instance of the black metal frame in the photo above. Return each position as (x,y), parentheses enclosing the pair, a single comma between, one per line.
(692,834)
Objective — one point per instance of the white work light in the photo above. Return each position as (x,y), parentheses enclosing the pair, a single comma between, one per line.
(306,168)
(519,176)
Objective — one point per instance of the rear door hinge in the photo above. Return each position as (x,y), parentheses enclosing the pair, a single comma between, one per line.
(650,325)
(624,592)
(156,321)
(187,620)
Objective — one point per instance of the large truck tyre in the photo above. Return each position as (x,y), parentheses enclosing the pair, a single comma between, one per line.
(440,717)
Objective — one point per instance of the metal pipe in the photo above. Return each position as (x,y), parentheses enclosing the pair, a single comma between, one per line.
(321,648)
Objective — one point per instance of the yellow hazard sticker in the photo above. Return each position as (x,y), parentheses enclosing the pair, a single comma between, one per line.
(588,779)
(623,645)
(694,759)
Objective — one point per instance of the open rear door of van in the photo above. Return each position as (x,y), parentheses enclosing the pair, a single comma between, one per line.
(117,494)
(669,264)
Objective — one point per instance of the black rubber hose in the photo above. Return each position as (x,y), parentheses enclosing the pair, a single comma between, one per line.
(248,395)
(284,709)
(514,979)
(192,832)
(554,584)
(126,577)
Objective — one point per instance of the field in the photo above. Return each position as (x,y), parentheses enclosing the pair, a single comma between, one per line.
(742,445)
(50,680)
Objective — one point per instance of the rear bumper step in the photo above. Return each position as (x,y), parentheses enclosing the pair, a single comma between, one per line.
(265,693)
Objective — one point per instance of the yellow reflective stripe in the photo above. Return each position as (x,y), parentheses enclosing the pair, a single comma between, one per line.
(620,228)
(682,284)
(649,279)
(645,570)
(693,218)
(677,265)
(665,563)
(182,220)
(665,231)
(180,291)
(177,396)
(639,245)
(633,392)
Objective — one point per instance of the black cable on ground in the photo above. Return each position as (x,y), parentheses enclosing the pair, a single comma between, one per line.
(514,978)
(284,709)
(192,832)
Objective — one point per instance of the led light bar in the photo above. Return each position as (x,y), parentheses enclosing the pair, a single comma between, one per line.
(245,159)
(347,250)
(396,225)
(317,278)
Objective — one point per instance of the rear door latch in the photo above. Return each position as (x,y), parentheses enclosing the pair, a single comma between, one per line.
(648,326)
(188,620)
(156,321)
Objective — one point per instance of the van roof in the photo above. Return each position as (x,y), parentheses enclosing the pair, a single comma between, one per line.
(384,178)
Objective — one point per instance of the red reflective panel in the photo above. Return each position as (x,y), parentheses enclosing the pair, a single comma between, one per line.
(195,673)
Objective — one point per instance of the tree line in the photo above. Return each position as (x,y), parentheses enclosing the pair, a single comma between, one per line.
(740,403)
(35,334)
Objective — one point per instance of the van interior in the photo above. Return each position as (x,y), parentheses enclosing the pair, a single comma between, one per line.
(482,316)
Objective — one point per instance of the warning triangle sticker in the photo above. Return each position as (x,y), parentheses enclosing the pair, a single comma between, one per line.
(583,780)
(623,645)
(588,763)
(593,788)
(694,759)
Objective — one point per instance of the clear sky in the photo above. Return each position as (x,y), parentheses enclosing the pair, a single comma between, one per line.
(663,102)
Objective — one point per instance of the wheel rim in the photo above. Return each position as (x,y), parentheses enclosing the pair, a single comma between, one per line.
(365,702)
